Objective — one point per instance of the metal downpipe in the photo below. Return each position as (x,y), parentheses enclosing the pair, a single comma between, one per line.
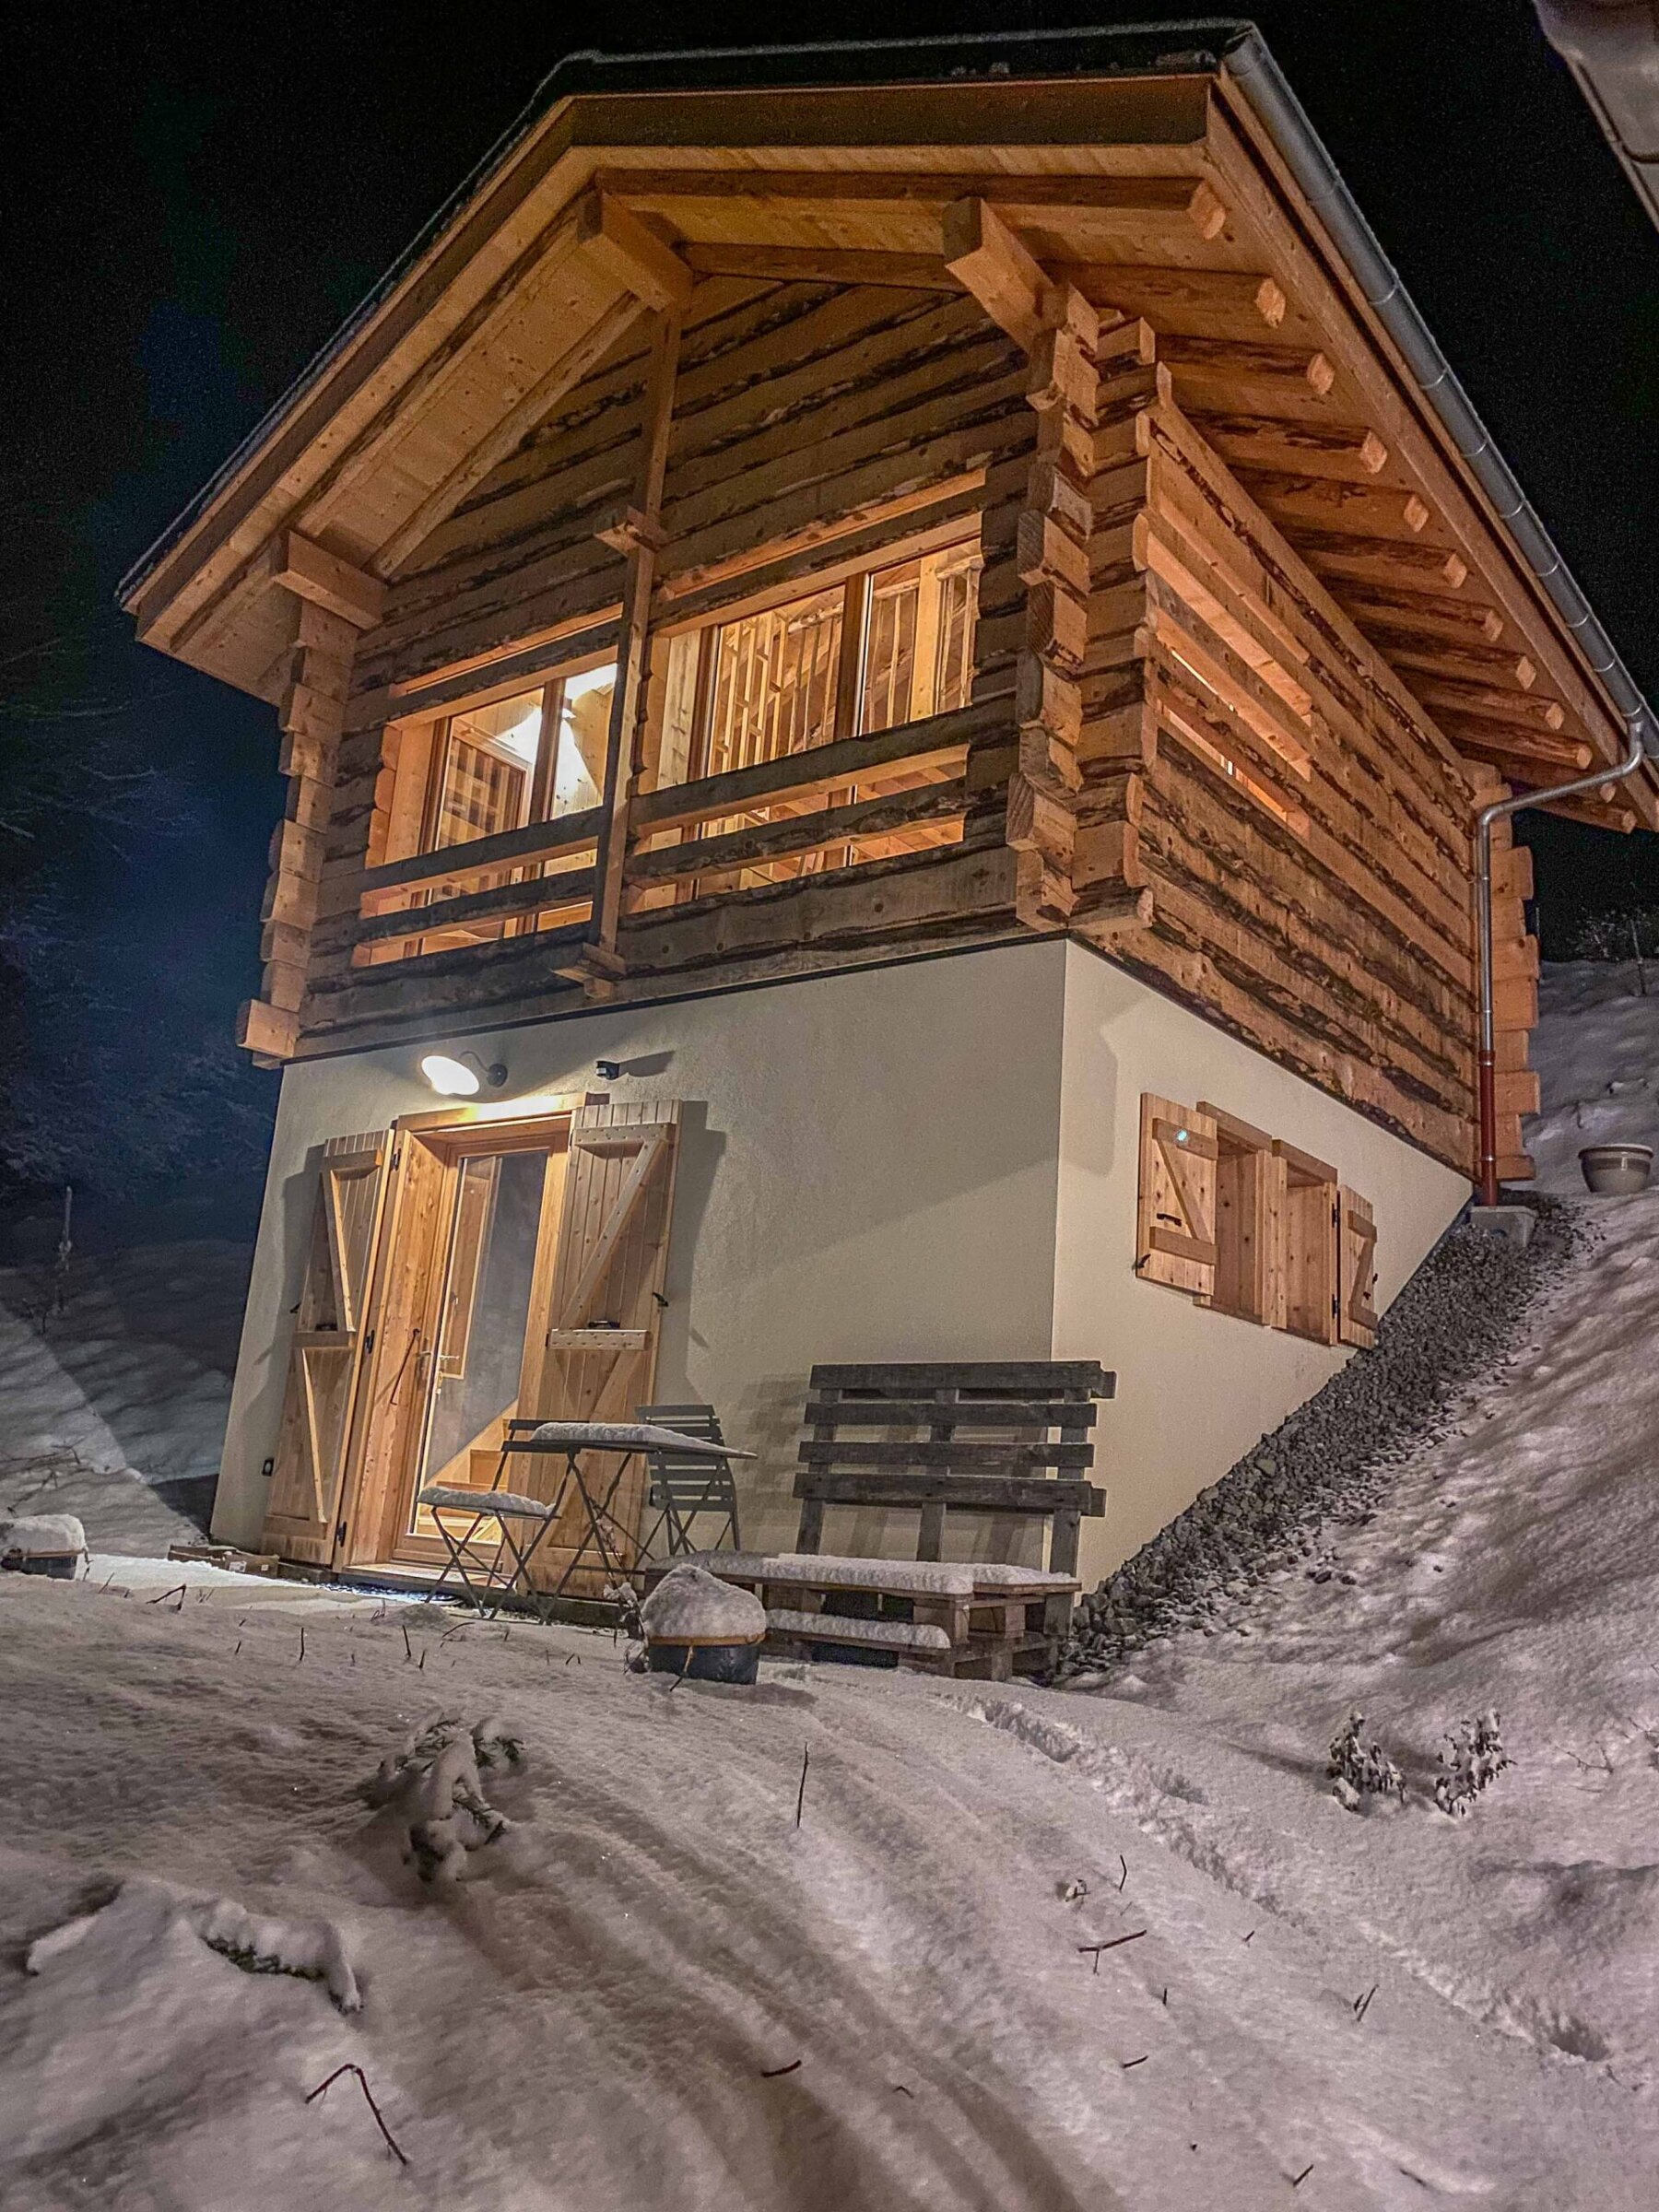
(1499,810)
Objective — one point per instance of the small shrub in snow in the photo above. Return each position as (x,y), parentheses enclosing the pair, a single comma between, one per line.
(1360,1770)
(1474,1758)
(432,1786)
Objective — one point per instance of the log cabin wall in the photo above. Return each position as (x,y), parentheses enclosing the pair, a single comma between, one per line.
(1219,783)
(1256,817)
(813,427)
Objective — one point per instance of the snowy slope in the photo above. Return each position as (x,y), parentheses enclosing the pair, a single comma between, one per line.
(122,1393)
(1597,1050)
(609,2009)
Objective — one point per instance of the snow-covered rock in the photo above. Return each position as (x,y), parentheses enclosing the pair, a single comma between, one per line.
(40,1535)
(691,1606)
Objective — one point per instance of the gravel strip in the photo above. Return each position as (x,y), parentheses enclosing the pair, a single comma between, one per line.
(1451,1326)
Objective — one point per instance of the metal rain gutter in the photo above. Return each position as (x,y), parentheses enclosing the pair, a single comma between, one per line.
(1247,64)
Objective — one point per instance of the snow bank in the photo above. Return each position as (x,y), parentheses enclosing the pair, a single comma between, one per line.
(691,1605)
(1596,1051)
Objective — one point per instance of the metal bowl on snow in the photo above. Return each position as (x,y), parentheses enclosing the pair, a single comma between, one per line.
(1616,1170)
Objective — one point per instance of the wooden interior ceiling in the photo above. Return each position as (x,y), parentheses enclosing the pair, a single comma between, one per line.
(1273,354)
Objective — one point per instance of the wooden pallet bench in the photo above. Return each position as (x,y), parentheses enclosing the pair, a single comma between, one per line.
(979,1620)
(986,1450)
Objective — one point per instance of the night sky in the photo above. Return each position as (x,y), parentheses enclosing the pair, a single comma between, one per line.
(200,195)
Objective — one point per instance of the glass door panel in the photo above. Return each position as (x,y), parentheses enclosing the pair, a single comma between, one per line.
(484,1308)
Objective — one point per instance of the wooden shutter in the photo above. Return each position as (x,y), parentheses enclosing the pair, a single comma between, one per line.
(327,1350)
(1175,1229)
(1250,1199)
(1355,1268)
(599,1356)
(1308,1246)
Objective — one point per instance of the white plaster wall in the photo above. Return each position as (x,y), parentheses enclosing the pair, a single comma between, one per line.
(1195,1388)
(867,1170)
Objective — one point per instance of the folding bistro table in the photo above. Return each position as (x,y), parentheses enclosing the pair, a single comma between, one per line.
(492,1570)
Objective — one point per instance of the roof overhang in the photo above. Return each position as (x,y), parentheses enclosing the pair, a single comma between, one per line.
(1169,148)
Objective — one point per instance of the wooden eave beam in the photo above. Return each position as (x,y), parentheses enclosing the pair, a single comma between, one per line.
(631,253)
(1421,614)
(1246,439)
(1369,508)
(987,259)
(1468,660)
(1018,198)
(822,264)
(313,572)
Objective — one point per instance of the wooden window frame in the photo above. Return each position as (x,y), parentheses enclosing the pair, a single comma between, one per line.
(1276,1239)
(1250,1186)
(854,578)
(551,685)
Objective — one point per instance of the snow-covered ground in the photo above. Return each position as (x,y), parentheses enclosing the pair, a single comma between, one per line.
(113,1400)
(1596,1049)
(659,1988)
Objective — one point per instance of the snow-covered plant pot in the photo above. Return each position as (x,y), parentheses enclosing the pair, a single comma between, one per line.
(52,1544)
(697,1626)
(1616,1170)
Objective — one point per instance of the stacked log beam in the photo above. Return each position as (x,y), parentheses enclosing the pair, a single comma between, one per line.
(1074,798)
(315,687)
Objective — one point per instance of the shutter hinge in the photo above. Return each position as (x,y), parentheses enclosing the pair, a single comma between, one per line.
(368,1343)
(339,1535)
(397,1156)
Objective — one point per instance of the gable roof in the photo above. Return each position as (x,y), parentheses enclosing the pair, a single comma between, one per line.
(436,365)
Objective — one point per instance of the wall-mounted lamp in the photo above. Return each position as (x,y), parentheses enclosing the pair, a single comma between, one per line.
(607,1070)
(461,1075)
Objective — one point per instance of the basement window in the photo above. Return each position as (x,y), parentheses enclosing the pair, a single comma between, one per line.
(1249,1198)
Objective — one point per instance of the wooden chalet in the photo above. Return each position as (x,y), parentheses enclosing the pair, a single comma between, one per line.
(766,536)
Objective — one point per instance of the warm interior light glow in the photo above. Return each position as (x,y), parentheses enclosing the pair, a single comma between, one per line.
(450,1078)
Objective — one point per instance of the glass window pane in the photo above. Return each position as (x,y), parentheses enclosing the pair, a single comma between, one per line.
(889,668)
(774,683)
(474,1378)
(959,610)
(583,738)
(485,767)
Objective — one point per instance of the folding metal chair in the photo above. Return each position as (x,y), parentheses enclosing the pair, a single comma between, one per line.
(683,1487)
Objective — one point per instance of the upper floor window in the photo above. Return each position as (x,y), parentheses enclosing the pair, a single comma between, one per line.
(892,645)
(528,758)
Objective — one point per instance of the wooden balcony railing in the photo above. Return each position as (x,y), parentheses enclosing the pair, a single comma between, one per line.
(858,799)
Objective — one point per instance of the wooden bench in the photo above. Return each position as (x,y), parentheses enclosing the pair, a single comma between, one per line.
(987,1447)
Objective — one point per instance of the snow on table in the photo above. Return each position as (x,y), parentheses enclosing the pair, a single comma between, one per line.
(42,1535)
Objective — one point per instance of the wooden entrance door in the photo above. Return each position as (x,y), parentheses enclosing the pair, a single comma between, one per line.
(504,1268)
(466,1274)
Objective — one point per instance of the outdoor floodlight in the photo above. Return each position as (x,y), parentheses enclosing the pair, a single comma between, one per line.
(461,1075)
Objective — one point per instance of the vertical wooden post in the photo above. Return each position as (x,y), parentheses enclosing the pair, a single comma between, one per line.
(640,535)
